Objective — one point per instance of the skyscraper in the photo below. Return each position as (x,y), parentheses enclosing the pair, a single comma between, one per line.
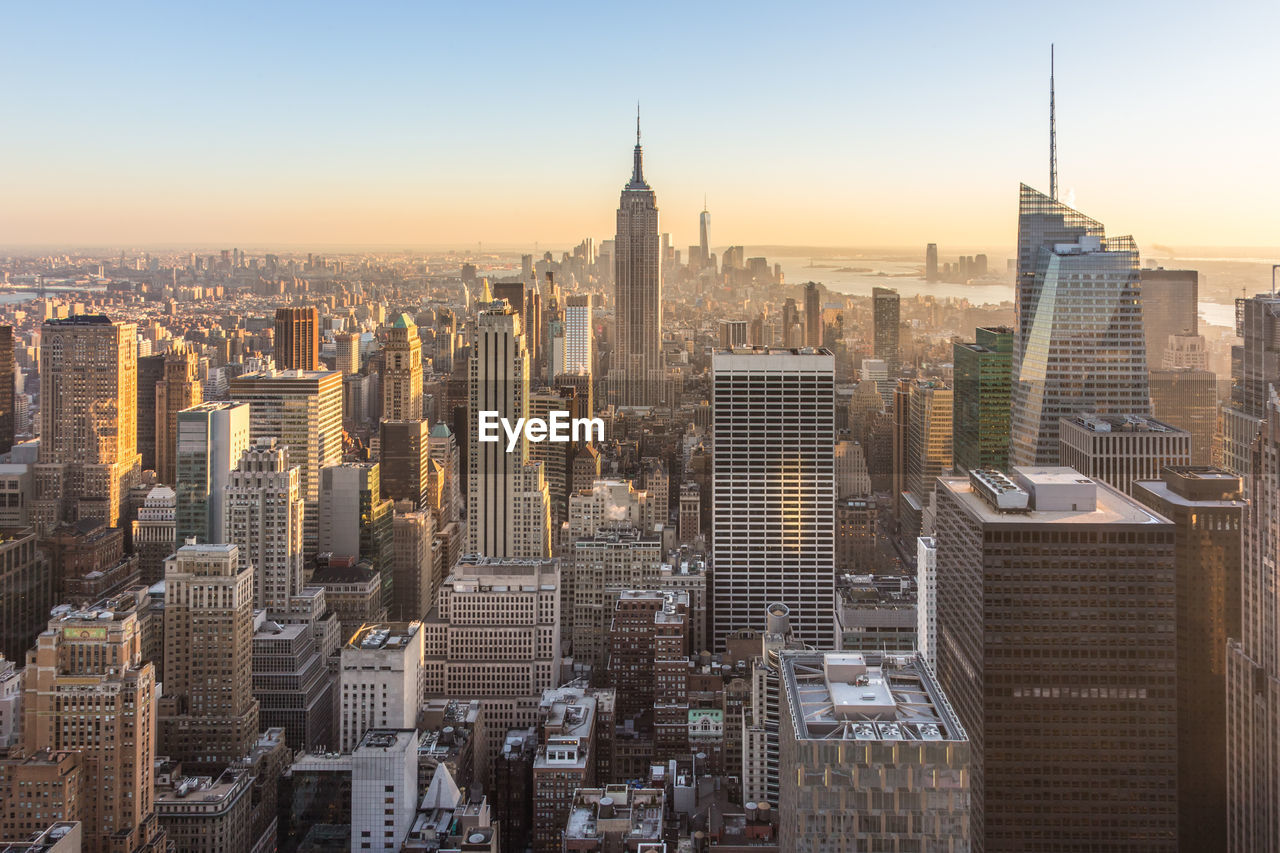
(1170,306)
(89,690)
(88,457)
(262,515)
(208,716)
(347,355)
(1253,660)
(980,421)
(508,506)
(638,290)
(922,449)
(704,232)
(1120,450)
(1078,345)
(1255,368)
(402,371)
(7,366)
(179,388)
(210,440)
(355,520)
(577,335)
(303,409)
(1206,507)
(931,262)
(885,320)
(774,496)
(297,339)
(1056,636)
(813,315)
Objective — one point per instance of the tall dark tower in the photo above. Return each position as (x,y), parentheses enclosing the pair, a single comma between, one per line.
(297,339)
(704,234)
(1053,136)
(638,301)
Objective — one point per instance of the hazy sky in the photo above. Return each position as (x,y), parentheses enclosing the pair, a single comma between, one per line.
(851,123)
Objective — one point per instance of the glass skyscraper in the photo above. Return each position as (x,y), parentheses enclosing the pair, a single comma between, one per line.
(980,413)
(1079,345)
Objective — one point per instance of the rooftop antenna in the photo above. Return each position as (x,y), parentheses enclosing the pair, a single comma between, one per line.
(1053,136)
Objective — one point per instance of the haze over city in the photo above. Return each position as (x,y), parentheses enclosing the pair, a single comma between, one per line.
(442,125)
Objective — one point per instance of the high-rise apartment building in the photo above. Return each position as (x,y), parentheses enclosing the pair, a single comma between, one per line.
(871,756)
(88,457)
(208,714)
(980,413)
(886,319)
(508,505)
(263,517)
(179,388)
(211,438)
(402,371)
(297,339)
(89,690)
(1121,449)
(1078,345)
(1207,509)
(1253,658)
(1057,630)
(638,291)
(381,678)
(774,498)
(303,410)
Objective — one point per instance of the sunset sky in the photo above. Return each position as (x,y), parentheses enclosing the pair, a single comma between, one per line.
(429,125)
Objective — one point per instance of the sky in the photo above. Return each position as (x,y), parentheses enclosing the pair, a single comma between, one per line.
(511,124)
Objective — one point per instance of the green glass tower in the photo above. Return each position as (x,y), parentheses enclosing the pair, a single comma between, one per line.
(980,420)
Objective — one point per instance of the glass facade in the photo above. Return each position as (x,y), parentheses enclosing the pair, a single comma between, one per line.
(980,421)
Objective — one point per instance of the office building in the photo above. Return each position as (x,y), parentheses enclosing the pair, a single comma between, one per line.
(886,321)
(927,600)
(1057,632)
(355,520)
(417,565)
(381,681)
(211,438)
(263,517)
(508,505)
(90,691)
(37,790)
(8,369)
(648,666)
(876,614)
(556,458)
(404,454)
(812,314)
(347,353)
(1078,345)
(402,371)
(733,334)
(931,262)
(578,336)
(922,450)
(638,291)
(1187,398)
(1255,367)
(297,339)
(774,498)
(1121,449)
(576,728)
(179,388)
(1207,509)
(980,418)
(384,788)
(1170,306)
(704,235)
(292,682)
(150,372)
(445,478)
(871,757)
(495,629)
(761,713)
(28,591)
(855,533)
(602,565)
(88,458)
(155,533)
(1253,657)
(616,817)
(303,410)
(208,714)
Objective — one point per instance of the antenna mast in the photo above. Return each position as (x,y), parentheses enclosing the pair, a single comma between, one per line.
(1053,136)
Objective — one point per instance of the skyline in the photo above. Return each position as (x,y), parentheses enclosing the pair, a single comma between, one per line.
(336,128)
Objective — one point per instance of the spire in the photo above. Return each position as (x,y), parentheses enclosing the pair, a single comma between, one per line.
(1052,132)
(637,170)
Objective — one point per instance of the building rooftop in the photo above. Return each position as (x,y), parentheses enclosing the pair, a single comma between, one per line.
(388,635)
(1198,486)
(1055,495)
(387,740)
(852,696)
(631,814)
(1096,423)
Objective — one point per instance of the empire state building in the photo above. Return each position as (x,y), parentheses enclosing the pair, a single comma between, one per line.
(637,365)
